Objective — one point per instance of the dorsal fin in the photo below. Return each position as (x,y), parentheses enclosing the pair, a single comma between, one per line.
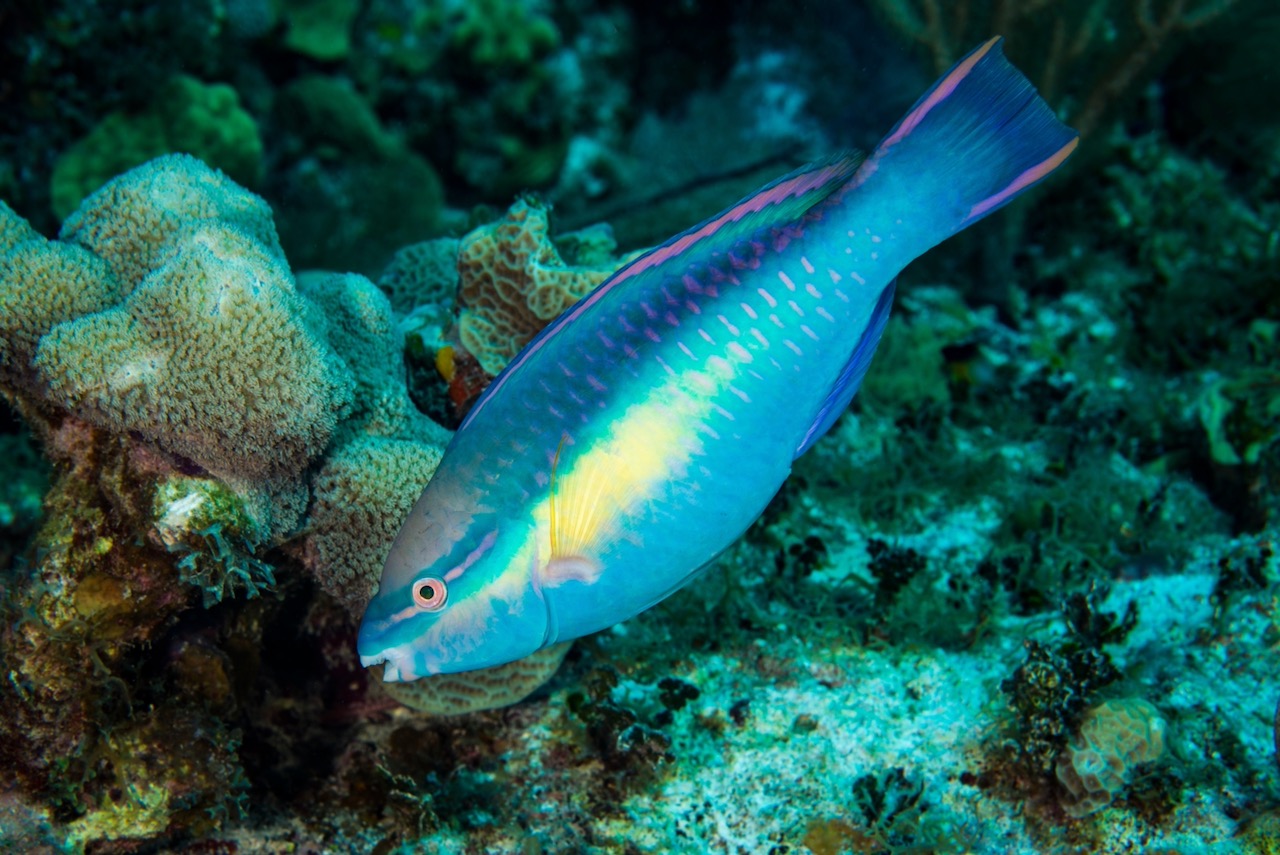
(855,369)
(779,203)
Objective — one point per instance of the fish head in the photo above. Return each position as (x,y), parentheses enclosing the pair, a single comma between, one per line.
(457,593)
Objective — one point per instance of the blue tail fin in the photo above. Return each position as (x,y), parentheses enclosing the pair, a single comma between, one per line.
(973,142)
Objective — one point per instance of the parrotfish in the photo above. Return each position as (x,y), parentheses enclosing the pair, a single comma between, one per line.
(647,427)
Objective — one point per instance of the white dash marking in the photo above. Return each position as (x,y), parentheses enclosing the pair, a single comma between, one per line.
(729,326)
(825,315)
(808,265)
(786,280)
(739,352)
(804,328)
(853,274)
(751,313)
(795,348)
(746,399)
(776,322)
(685,349)
(842,295)
(764,342)
(875,238)
(813,292)
(795,307)
(768,298)
(705,335)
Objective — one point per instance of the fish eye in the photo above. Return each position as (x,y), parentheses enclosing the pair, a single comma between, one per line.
(430,593)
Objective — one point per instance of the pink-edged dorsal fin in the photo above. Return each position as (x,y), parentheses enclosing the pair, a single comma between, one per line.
(778,204)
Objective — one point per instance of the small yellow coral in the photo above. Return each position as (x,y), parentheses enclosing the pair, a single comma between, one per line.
(513,282)
(1114,738)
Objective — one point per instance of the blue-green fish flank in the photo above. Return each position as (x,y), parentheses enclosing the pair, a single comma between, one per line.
(643,431)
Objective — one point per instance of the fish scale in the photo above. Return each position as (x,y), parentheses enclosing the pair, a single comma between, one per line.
(647,427)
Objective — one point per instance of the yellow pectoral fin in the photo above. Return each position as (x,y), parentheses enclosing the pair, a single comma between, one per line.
(591,494)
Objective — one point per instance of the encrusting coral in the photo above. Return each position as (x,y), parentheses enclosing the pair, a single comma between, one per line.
(1113,739)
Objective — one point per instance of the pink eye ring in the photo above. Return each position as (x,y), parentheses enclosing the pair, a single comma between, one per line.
(430,593)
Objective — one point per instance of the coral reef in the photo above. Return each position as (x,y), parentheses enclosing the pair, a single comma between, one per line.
(1056,491)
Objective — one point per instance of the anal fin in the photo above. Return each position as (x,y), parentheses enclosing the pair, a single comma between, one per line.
(846,386)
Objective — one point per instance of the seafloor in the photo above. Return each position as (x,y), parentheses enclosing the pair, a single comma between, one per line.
(257,257)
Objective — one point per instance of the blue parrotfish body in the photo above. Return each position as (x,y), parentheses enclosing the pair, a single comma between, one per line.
(646,428)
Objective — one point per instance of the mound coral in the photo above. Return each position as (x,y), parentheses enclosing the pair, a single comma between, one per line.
(207,353)
(130,222)
(1114,738)
(362,494)
(209,357)
(513,282)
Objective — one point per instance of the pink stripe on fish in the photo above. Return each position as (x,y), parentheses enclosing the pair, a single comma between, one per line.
(473,557)
(940,92)
(1031,176)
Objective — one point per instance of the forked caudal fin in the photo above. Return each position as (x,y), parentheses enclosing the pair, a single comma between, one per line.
(978,138)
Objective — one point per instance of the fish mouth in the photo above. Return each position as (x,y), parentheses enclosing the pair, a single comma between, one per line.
(398,668)
(398,663)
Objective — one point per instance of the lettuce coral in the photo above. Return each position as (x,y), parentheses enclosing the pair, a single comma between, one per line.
(513,282)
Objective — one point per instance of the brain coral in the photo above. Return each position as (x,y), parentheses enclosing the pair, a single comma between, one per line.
(513,282)
(1114,738)
(209,354)
(488,688)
